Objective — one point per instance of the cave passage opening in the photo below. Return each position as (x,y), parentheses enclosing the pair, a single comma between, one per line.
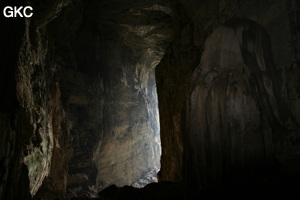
(152,146)
(109,100)
(126,53)
(130,150)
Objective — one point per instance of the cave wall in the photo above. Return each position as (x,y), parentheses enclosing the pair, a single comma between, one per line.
(86,96)
(238,103)
(41,115)
(219,124)
(108,91)
(79,93)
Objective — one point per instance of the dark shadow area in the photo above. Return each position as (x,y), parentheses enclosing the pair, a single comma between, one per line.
(84,83)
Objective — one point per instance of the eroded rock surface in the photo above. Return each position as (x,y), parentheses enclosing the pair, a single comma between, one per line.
(236,101)
(109,93)
(194,140)
(87,94)
(79,106)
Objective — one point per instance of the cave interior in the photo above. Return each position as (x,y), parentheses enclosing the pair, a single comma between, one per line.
(151,99)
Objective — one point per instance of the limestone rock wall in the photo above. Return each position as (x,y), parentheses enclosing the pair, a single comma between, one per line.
(79,106)
(86,92)
(128,54)
(215,114)
(108,89)
(237,103)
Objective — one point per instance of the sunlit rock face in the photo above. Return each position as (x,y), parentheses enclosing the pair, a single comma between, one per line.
(130,48)
(86,89)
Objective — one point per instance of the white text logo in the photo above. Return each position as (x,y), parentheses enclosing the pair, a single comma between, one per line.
(15,11)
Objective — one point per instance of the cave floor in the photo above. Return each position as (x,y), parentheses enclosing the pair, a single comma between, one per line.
(280,182)
(257,189)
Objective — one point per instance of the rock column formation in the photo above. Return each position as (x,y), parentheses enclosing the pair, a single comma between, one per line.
(237,99)
(230,116)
